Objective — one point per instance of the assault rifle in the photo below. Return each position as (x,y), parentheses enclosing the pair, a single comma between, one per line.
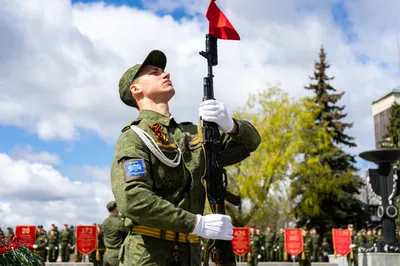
(216,179)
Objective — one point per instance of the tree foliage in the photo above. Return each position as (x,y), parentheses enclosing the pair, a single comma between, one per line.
(326,198)
(287,130)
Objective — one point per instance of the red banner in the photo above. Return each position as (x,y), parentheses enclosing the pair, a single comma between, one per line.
(341,239)
(27,233)
(293,241)
(241,240)
(86,238)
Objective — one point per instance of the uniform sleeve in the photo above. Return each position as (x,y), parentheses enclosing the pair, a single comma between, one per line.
(245,133)
(133,194)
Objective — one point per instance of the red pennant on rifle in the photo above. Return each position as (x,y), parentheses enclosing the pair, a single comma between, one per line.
(219,25)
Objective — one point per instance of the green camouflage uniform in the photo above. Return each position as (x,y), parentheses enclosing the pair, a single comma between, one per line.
(41,243)
(357,241)
(316,247)
(154,195)
(280,245)
(308,244)
(101,248)
(53,243)
(65,239)
(114,234)
(269,243)
(254,249)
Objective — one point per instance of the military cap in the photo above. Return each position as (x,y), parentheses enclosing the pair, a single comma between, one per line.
(253,226)
(154,58)
(111,205)
(350,226)
(65,224)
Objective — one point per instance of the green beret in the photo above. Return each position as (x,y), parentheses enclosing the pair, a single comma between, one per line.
(154,58)
(111,206)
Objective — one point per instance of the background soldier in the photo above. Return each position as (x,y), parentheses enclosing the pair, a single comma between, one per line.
(114,233)
(9,234)
(101,248)
(252,257)
(65,243)
(41,243)
(262,244)
(92,255)
(356,241)
(305,258)
(316,245)
(269,243)
(53,243)
(280,244)
(1,233)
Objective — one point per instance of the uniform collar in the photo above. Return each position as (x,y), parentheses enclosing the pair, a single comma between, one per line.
(156,117)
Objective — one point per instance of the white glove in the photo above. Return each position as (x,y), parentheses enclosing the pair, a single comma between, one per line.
(352,246)
(262,248)
(47,248)
(259,256)
(213,111)
(34,246)
(214,226)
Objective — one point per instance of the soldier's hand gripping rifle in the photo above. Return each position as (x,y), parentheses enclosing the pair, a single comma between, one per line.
(216,179)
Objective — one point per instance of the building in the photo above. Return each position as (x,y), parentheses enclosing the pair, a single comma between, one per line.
(381,113)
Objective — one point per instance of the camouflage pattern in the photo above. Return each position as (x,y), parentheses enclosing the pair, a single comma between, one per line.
(357,240)
(280,244)
(254,249)
(53,244)
(269,243)
(41,243)
(316,246)
(65,240)
(114,234)
(155,58)
(308,245)
(165,198)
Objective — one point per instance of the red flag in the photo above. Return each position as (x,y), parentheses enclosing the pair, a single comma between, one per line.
(219,25)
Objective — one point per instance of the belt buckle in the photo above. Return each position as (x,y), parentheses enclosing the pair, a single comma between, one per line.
(191,238)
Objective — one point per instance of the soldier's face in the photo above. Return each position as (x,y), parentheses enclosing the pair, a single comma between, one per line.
(153,83)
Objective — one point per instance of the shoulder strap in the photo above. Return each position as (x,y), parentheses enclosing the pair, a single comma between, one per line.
(153,147)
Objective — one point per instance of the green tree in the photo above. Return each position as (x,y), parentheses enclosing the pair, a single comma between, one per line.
(392,137)
(328,199)
(287,130)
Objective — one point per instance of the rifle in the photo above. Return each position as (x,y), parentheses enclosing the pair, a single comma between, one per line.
(216,179)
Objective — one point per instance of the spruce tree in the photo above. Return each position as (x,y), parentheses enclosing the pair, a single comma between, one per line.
(329,201)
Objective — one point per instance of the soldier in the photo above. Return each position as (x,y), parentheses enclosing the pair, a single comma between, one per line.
(41,243)
(65,238)
(101,248)
(269,243)
(325,249)
(262,244)
(9,234)
(158,170)
(316,245)
(379,237)
(280,244)
(92,255)
(53,243)
(352,257)
(252,257)
(305,258)
(114,234)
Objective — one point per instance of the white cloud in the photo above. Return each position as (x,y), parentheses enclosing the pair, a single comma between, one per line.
(36,193)
(24,152)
